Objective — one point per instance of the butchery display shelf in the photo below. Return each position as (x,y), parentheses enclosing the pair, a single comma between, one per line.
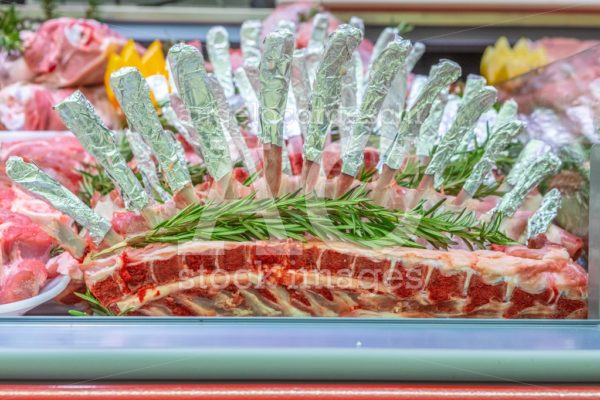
(112,349)
(132,348)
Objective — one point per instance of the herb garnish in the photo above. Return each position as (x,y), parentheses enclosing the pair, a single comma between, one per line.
(95,306)
(351,218)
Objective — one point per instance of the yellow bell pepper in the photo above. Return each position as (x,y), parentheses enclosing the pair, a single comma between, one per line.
(113,64)
(151,63)
(501,62)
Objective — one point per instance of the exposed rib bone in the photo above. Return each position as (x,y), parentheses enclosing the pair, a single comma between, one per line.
(324,100)
(133,93)
(385,68)
(275,71)
(38,182)
(190,77)
(80,117)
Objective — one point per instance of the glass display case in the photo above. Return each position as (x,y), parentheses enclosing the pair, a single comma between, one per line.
(136,191)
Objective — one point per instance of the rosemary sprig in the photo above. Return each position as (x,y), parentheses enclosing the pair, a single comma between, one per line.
(351,218)
(198,173)
(458,171)
(366,174)
(56,250)
(95,306)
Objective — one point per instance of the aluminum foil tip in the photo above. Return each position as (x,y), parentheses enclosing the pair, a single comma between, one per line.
(191,80)
(38,182)
(543,217)
(79,116)
(532,150)
(473,85)
(498,141)
(358,23)
(287,24)
(387,35)
(217,46)
(384,69)
(539,168)
(441,75)
(250,42)
(133,94)
(275,69)
(468,113)
(327,88)
(415,55)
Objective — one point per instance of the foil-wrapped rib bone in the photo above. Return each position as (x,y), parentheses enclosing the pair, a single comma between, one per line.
(250,44)
(230,125)
(440,76)
(468,113)
(38,182)
(500,138)
(540,221)
(384,69)
(537,170)
(533,149)
(429,131)
(217,46)
(191,80)
(393,105)
(474,84)
(79,116)
(160,89)
(251,103)
(327,88)
(316,45)
(133,94)
(145,165)
(275,70)
(386,36)
(301,89)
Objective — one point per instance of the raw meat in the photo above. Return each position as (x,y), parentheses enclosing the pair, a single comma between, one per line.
(24,250)
(69,52)
(60,157)
(338,279)
(28,106)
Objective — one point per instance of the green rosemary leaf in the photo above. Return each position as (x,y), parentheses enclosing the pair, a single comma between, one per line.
(350,218)
(95,306)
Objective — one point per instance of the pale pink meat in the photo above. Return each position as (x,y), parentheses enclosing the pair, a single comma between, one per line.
(29,107)
(69,52)
(60,157)
(558,48)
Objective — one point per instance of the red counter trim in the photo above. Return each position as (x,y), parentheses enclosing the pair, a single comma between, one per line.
(297,391)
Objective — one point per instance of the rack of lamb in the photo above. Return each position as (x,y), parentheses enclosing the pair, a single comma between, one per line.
(349,235)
